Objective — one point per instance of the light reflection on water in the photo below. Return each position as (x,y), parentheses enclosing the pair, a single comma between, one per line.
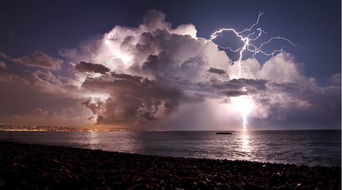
(245,147)
(299,147)
(93,139)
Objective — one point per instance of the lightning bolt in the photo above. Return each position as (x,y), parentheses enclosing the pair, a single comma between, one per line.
(248,37)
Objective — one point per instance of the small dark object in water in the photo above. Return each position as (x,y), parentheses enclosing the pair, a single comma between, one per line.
(223,133)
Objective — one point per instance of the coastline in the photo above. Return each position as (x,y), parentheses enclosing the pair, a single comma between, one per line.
(28,166)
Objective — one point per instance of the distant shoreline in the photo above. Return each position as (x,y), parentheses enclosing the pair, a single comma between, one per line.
(118,130)
(27,166)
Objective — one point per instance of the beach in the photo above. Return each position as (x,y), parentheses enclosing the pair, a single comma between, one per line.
(27,166)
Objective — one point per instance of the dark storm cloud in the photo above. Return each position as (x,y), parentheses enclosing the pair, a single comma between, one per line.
(217,71)
(91,67)
(250,85)
(41,60)
(135,100)
(132,100)
(233,93)
(220,89)
(164,71)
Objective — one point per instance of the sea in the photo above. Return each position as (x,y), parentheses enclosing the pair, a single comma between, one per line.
(302,147)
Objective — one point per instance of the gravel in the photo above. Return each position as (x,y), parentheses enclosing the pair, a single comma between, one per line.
(26,166)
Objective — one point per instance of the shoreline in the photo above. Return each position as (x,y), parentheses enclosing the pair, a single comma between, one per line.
(131,130)
(30,166)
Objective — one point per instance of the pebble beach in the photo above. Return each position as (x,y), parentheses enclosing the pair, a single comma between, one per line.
(27,166)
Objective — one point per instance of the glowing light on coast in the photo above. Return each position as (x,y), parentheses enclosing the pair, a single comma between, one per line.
(244,105)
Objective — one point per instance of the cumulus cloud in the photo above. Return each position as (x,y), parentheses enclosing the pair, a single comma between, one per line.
(151,48)
(41,60)
(280,68)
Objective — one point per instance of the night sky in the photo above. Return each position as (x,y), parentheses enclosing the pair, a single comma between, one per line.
(57,68)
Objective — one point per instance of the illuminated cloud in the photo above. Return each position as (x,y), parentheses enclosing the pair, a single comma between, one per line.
(41,60)
(153,69)
(152,46)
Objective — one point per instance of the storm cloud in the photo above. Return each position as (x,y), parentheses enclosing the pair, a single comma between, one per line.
(91,67)
(131,100)
(160,76)
(157,70)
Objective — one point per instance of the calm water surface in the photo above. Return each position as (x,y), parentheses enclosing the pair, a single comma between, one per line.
(321,147)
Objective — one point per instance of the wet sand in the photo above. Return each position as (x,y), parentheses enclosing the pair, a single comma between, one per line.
(25,166)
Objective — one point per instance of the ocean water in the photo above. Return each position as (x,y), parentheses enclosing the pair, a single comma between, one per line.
(307,147)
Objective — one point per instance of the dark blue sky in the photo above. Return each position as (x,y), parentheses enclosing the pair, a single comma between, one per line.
(26,26)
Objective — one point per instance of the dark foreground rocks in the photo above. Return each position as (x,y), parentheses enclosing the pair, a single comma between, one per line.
(24,166)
